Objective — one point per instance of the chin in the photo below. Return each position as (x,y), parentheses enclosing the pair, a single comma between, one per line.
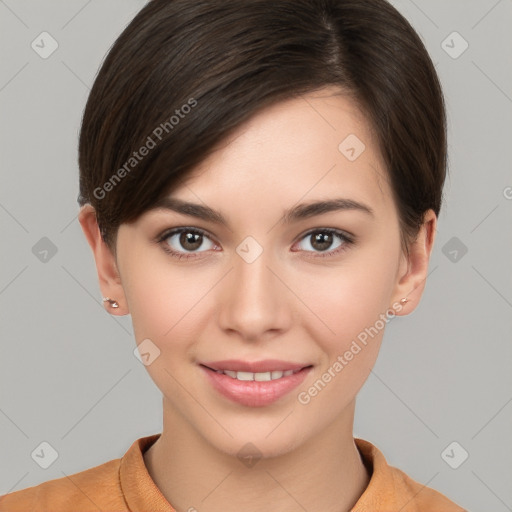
(258,443)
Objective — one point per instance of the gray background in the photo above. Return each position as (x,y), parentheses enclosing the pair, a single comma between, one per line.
(68,375)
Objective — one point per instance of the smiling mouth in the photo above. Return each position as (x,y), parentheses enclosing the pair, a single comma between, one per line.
(254,388)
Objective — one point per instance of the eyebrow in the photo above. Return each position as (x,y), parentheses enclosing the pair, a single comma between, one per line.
(294,214)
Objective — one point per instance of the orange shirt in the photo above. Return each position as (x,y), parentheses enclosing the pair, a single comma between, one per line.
(124,485)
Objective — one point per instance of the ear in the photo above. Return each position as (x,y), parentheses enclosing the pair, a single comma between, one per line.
(106,265)
(413,269)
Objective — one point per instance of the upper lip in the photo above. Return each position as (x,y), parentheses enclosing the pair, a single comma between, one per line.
(267,365)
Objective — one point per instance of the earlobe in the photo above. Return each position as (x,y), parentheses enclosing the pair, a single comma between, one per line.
(106,266)
(411,283)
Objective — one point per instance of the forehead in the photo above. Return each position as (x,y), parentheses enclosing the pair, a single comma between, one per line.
(314,146)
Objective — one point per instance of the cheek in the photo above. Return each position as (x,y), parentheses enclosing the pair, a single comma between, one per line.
(163,298)
(348,302)
(348,326)
(165,306)
(350,298)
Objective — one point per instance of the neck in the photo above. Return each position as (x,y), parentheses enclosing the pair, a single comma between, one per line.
(325,473)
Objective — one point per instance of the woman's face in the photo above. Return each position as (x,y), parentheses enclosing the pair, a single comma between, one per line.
(277,281)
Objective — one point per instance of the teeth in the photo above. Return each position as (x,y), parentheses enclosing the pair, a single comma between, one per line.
(263,376)
(245,376)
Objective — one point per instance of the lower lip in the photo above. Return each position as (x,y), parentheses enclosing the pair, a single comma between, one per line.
(254,393)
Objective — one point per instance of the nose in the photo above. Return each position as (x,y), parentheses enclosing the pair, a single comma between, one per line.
(253,300)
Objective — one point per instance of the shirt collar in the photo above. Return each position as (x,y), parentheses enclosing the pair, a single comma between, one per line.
(139,489)
(381,492)
(142,494)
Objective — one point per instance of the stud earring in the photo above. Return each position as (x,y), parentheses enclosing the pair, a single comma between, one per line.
(404,300)
(112,303)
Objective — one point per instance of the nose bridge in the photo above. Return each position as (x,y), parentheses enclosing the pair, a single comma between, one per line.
(253,300)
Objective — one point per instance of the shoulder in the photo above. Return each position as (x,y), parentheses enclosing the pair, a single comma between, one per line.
(92,489)
(390,489)
(422,498)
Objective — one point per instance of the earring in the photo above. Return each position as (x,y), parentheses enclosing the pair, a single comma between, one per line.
(113,303)
(404,300)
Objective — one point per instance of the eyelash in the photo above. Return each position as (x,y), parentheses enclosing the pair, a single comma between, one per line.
(345,238)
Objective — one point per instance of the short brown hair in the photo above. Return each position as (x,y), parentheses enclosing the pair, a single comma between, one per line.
(197,69)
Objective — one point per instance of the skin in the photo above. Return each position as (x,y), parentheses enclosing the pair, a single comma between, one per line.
(290,303)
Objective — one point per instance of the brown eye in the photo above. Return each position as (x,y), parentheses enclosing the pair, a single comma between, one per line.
(186,240)
(190,241)
(328,240)
(321,241)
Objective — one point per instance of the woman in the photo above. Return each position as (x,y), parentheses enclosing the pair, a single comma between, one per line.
(259,183)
